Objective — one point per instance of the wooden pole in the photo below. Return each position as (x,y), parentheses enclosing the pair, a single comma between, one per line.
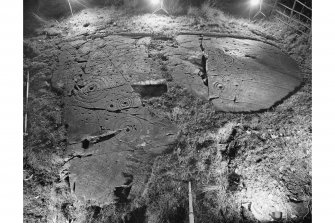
(295,1)
(190,202)
(26,105)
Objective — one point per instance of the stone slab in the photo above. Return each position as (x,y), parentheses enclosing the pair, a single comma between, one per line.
(248,75)
(96,77)
(184,64)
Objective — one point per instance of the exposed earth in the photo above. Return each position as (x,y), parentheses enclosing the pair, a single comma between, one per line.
(125,109)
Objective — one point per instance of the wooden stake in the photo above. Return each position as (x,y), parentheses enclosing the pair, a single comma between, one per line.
(190,202)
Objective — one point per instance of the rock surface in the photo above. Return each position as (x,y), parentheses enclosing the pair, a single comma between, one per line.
(185,64)
(96,77)
(247,75)
(241,75)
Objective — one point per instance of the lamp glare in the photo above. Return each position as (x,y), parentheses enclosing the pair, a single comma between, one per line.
(254,2)
(155,2)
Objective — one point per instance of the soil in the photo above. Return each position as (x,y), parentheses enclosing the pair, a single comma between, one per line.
(243,166)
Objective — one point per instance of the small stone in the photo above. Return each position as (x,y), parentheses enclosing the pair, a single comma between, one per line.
(238,171)
(52,32)
(277,215)
(196,59)
(225,132)
(264,136)
(60,85)
(223,148)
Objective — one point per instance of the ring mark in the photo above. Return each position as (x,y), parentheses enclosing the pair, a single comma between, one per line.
(95,89)
(217,85)
(131,128)
(120,102)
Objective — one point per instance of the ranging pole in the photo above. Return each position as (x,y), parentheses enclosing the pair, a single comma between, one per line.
(26,112)
(190,202)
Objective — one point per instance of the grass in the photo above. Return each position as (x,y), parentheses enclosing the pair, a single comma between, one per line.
(210,159)
(46,140)
(231,159)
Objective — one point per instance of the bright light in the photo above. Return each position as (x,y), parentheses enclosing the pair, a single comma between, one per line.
(155,2)
(254,2)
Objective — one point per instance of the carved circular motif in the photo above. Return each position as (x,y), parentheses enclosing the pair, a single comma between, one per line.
(122,102)
(217,85)
(131,128)
(92,90)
